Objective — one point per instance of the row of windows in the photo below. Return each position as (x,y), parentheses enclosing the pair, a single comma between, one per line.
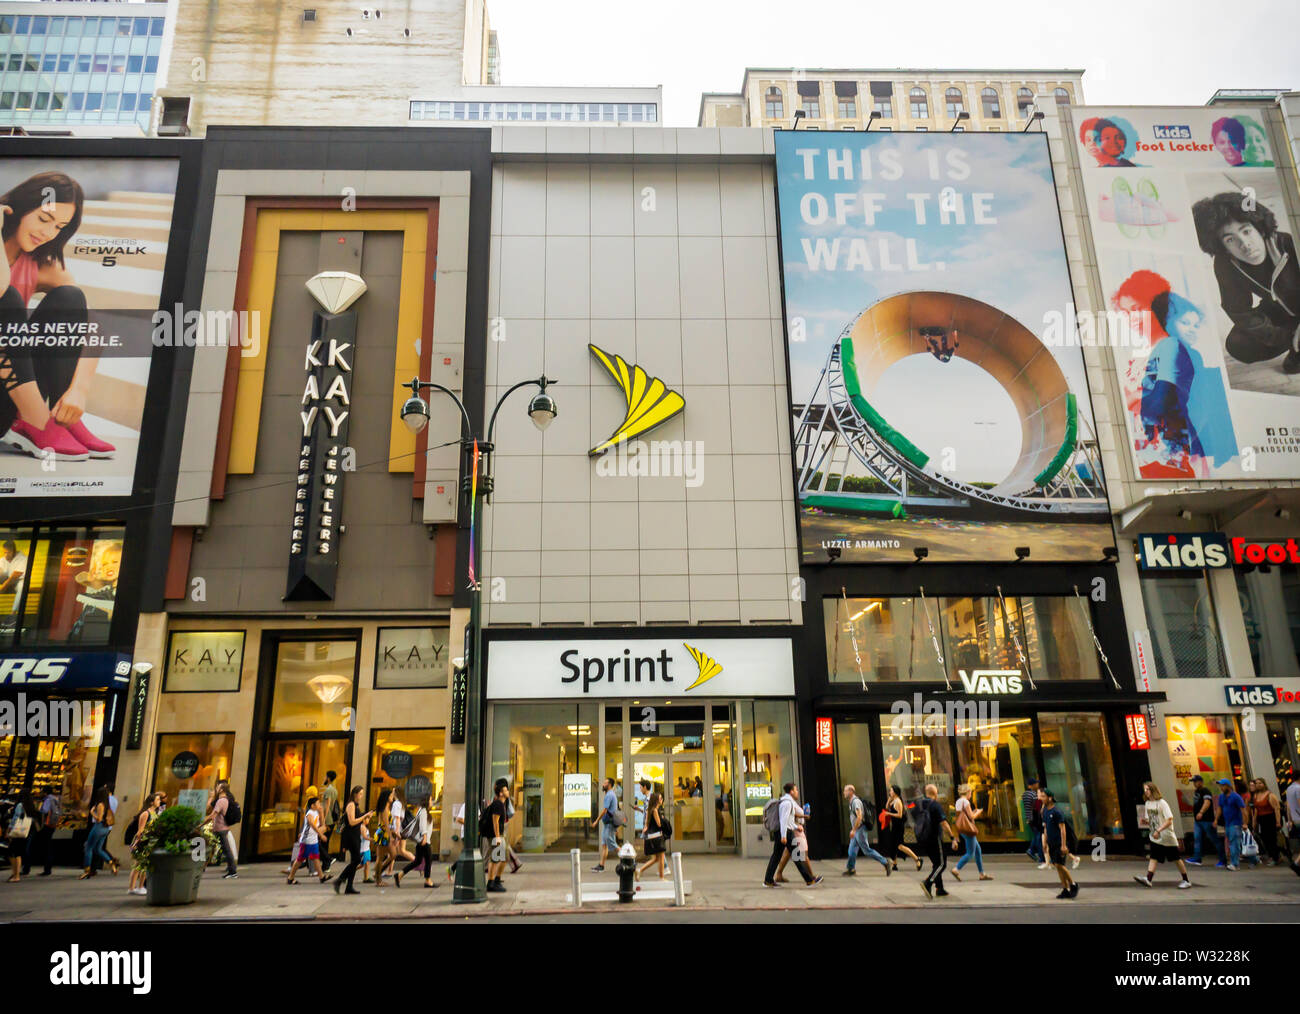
(54,64)
(918,103)
(77,102)
(589,112)
(39,24)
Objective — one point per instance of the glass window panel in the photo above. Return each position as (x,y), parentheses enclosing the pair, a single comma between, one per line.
(78,101)
(40,25)
(150,64)
(111,102)
(141,26)
(6,26)
(74,26)
(766,757)
(1281,745)
(539,746)
(1270,602)
(128,102)
(6,102)
(990,103)
(1056,638)
(83,64)
(107,26)
(117,64)
(1079,769)
(156,27)
(49,63)
(42,100)
(65,63)
(722,726)
(411,761)
(15,61)
(1205,745)
(853,767)
(188,767)
(613,754)
(918,753)
(1183,627)
(882,640)
(24,24)
(314,684)
(56,26)
(995,757)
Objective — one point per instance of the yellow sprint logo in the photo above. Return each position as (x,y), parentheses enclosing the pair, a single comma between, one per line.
(649,401)
(709,667)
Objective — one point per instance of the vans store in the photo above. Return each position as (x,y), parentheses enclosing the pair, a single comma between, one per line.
(704,717)
(990,690)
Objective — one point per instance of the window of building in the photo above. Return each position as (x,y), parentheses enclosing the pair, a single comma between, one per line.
(15,61)
(141,26)
(953,103)
(1062,97)
(107,26)
(57,101)
(34,763)
(77,101)
(6,100)
(1270,601)
(42,100)
(24,24)
(83,64)
(774,104)
(915,757)
(412,762)
(408,657)
(882,99)
(134,64)
(1205,745)
(57,586)
(1183,626)
(30,63)
(810,98)
(204,661)
(49,62)
(846,100)
(918,104)
(1078,767)
(150,64)
(766,756)
(6,26)
(189,765)
(40,25)
(315,685)
(24,101)
(1024,102)
(886,640)
(991,104)
(73,26)
(1284,744)
(65,63)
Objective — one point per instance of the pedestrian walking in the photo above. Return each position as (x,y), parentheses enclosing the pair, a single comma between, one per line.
(309,841)
(640,800)
(401,825)
(511,858)
(610,820)
(1032,808)
(656,839)
(1266,813)
(784,838)
(859,821)
(493,826)
(48,817)
(929,822)
(100,821)
(1292,795)
(382,835)
(223,814)
(1203,827)
(17,826)
(423,854)
(366,856)
(1231,809)
(353,819)
(1055,842)
(329,801)
(970,835)
(1160,834)
(153,807)
(893,825)
(800,850)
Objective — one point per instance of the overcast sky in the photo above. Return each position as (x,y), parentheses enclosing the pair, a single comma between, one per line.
(1135,52)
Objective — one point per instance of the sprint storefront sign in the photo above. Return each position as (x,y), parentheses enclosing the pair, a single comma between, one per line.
(690,667)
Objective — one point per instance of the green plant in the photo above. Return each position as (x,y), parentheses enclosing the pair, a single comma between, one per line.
(176,830)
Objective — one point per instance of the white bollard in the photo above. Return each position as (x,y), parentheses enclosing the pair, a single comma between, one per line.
(575,857)
(679,885)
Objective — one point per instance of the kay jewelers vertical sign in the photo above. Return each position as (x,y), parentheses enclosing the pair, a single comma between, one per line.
(323,416)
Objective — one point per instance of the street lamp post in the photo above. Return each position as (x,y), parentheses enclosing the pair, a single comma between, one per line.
(470,886)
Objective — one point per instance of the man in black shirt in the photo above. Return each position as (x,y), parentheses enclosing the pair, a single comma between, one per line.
(1055,843)
(1203,813)
(497,811)
(930,821)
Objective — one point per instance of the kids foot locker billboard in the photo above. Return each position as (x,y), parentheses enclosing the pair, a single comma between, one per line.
(939,396)
(1196,251)
(85,245)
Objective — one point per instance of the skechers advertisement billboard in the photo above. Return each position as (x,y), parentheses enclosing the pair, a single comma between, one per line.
(85,243)
(1198,263)
(939,397)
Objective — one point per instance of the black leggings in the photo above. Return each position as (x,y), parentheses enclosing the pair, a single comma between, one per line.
(354,863)
(423,859)
(1266,827)
(51,369)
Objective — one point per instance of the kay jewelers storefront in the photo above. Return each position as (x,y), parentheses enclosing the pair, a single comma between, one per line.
(704,718)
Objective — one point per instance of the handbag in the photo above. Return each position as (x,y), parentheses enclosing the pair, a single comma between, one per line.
(1249,847)
(21,827)
(965,825)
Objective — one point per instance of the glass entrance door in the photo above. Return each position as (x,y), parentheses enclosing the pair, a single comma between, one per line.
(293,772)
(687,793)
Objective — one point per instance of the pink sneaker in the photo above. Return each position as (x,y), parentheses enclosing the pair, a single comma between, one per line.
(97,448)
(53,440)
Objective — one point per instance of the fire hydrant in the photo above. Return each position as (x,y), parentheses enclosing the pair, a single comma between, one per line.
(626,872)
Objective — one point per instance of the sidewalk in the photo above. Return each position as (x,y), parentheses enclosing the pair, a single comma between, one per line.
(721,883)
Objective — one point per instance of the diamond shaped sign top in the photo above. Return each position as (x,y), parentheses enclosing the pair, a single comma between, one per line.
(336,290)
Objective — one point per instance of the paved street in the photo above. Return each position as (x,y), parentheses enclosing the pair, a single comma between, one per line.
(721,885)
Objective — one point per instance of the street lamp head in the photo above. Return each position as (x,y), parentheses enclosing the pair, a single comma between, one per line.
(542,409)
(415,413)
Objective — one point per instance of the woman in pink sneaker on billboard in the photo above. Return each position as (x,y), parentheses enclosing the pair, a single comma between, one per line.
(45,389)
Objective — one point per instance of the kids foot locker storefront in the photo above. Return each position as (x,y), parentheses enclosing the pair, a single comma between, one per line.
(703,717)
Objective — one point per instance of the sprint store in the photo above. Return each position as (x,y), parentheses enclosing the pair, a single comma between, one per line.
(705,718)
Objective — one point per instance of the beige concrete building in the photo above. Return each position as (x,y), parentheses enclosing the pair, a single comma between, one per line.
(898,99)
(319,62)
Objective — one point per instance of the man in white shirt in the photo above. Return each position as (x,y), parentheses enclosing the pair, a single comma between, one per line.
(13,569)
(787,807)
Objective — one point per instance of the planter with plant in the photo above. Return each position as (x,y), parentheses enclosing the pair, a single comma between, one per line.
(173,851)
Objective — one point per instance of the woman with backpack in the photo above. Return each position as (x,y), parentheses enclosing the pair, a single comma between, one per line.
(353,818)
(893,824)
(657,831)
(969,831)
(402,825)
(101,820)
(309,841)
(422,833)
(143,819)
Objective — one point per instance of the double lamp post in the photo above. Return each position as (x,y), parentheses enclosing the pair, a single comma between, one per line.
(477,454)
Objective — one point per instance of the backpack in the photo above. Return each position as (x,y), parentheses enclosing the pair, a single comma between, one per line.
(921,820)
(336,813)
(128,835)
(772,815)
(868,814)
(485,824)
(233,814)
(409,825)
(665,825)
